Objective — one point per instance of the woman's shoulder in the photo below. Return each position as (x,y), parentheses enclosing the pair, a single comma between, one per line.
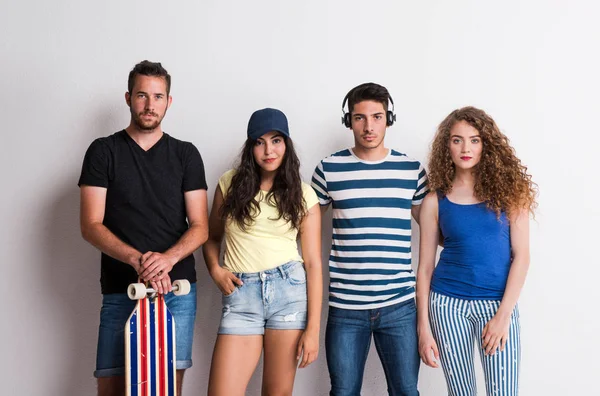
(309,195)
(225,179)
(307,189)
(431,198)
(227,175)
(430,207)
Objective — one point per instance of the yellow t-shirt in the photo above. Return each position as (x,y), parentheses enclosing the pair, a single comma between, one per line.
(268,242)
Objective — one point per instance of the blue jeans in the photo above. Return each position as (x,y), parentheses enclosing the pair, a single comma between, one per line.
(348,339)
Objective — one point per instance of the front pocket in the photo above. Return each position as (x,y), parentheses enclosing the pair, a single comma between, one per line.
(297,276)
(232,293)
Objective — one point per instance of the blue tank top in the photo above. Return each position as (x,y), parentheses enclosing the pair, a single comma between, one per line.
(475,261)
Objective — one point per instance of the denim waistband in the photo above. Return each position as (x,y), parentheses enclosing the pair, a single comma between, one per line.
(282,271)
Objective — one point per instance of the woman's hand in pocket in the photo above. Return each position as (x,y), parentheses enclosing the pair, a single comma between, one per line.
(225,280)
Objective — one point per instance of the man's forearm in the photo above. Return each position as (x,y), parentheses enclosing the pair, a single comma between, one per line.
(191,240)
(108,243)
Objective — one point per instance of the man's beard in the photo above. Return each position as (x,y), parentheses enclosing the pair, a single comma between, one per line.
(146,126)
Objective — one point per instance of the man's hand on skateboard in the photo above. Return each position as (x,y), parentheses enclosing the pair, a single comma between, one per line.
(155,268)
(162,286)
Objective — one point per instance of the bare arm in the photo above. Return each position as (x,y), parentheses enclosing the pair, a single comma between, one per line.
(211,250)
(495,332)
(415,210)
(93,205)
(310,240)
(519,239)
(427,250)
(216,229)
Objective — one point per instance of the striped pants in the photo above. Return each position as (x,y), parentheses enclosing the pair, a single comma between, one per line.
(457,326)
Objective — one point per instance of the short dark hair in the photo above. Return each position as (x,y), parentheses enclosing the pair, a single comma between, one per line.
(147,68)
(368,91)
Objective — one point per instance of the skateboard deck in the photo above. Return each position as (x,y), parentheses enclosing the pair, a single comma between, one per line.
(150,349)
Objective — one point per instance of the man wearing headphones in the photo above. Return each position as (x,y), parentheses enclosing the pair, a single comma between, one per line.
(373,191)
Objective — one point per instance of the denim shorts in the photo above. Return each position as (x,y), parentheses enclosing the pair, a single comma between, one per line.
(272,299)
(116,308)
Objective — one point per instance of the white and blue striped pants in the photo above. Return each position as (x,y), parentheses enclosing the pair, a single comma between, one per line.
(457,325)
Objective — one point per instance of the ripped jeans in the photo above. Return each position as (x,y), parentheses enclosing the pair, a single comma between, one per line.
(272,299)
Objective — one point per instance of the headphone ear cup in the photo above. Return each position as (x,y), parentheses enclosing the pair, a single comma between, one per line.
(347,120)
(391,118)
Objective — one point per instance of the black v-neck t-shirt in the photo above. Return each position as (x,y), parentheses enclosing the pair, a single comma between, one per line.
(145,205)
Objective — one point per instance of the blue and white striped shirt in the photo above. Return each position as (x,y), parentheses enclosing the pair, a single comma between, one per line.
(370,261)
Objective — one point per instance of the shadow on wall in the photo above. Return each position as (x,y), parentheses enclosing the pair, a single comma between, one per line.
(71,271)
(205,331)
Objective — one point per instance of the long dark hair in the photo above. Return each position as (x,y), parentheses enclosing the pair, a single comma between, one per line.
(240,202)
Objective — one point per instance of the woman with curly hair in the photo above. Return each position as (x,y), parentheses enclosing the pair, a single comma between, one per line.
(478,209)
(271,294)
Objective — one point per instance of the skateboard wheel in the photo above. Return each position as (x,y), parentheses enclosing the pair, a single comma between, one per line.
(136,291)
(181,287)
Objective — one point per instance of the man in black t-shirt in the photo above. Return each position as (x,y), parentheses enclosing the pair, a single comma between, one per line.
(144,205)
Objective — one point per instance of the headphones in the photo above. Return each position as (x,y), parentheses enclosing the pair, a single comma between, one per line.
(390,117)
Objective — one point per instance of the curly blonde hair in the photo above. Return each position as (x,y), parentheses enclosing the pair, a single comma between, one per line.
(500,179)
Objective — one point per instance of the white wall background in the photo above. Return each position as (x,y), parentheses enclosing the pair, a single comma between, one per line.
(533,65)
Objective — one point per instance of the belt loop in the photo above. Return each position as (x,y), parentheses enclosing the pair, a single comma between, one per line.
(283,272)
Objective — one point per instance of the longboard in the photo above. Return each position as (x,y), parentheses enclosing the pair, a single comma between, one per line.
(150,343)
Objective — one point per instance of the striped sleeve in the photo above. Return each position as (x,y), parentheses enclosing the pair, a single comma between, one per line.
(422,187)
(319,184)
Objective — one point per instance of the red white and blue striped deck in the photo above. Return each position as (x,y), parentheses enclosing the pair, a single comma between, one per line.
(150,349)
